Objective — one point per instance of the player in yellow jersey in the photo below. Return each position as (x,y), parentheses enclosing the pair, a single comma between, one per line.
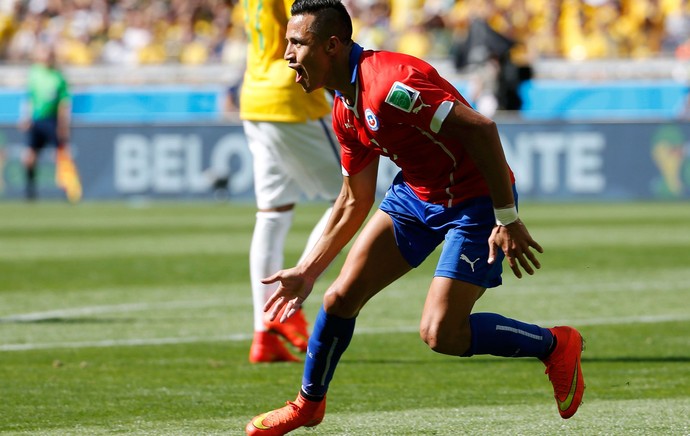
(296,156)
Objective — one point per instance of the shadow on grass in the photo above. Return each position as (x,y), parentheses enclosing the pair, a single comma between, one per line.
(638,359)
(59,320)
(501,361)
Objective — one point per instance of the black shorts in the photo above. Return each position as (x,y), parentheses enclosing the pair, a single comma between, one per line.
(43,133)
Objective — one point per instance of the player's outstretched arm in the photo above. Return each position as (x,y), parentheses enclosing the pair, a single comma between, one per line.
(294,288)
(349,212)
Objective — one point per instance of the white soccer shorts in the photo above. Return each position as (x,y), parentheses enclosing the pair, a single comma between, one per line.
(293,161)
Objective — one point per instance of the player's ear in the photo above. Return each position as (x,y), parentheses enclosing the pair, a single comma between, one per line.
(333,44)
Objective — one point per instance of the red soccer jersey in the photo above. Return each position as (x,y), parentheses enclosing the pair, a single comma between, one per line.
(401,104)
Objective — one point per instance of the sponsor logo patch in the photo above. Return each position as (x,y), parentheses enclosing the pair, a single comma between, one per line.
(402,96)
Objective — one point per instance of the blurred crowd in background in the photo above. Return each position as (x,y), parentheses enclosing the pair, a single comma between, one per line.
(145,32)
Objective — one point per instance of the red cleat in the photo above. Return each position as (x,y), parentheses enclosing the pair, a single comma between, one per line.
(267,347)
(564,370)
(301,413)
(294,329)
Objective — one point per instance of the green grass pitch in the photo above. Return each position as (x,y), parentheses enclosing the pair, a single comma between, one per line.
(136,319)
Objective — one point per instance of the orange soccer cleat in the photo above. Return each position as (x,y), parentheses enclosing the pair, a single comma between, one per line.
(300,413)
(267,347)
(294,329)
(564,370)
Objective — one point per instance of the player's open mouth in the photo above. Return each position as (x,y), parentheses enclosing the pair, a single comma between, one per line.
(300,72)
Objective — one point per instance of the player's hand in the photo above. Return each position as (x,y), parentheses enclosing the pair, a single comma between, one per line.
(293,290)
(516,243)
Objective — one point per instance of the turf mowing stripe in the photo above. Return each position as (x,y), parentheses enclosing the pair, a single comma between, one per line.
(126,342)
(114,308)
(645,319)
(634,285)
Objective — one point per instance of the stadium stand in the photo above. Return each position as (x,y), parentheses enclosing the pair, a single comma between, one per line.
(210,31)
(561,44)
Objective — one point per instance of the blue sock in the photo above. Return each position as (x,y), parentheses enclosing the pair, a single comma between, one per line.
(327,343)
(500,336)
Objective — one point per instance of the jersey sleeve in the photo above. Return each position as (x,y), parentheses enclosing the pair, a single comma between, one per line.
(418,98)
(63,89)
(354,155)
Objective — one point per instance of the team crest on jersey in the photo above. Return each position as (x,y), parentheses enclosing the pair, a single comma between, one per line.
(402,96)
(372,121)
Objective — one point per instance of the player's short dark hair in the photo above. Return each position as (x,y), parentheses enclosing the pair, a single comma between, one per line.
(332,17)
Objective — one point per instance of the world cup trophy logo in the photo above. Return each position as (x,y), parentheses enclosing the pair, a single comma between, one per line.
(670,152)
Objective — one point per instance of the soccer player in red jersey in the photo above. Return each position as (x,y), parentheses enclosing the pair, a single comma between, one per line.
(454,187)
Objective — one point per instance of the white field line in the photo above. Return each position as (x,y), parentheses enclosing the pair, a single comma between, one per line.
(645,319)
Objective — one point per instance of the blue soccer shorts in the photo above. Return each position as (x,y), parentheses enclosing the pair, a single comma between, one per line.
(420,227)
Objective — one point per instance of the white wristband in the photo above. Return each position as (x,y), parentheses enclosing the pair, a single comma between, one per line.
(506,215)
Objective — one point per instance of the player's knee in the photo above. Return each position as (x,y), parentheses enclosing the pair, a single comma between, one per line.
(436,340)
(337,302)
(442,340)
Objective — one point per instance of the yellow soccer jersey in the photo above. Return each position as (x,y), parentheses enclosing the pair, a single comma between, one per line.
(269,91)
